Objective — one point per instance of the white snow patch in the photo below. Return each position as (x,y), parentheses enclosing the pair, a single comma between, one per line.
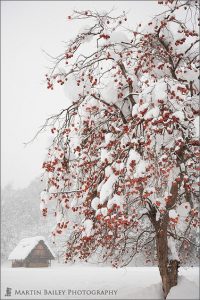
(95,202)
(129,282)
(88,225)
(108,138)
(104,211)
(108,171)
(172,246)
(105,154)
(53,189)
(143,107)
(152,113)
(160,91)
(157,215)
(173,214)
(179,115)
(197,125)
(109,92)
(186,289)
(135,109)
(183,209)
(140,168)
(119,166)
(118,200)
(107,188)
(124,140)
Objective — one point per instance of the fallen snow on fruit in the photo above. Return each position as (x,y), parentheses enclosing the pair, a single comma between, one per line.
(130,282)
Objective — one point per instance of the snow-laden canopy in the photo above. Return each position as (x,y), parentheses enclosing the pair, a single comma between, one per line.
(122,168)
(25,246)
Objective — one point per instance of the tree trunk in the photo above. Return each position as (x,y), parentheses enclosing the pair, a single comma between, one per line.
(168,268)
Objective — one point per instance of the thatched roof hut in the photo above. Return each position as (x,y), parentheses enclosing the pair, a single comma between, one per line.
(32,252)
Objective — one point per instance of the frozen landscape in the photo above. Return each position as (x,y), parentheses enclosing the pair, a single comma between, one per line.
(72,282)
(115,178)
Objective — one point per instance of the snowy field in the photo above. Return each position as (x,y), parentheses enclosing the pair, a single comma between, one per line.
(81,282)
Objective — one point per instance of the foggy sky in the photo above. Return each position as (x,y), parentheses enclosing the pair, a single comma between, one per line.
(27,27)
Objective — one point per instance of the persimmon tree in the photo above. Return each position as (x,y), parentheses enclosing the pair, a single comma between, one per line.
(122,171)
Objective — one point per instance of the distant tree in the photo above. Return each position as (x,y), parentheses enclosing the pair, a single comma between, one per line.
(20,216)
(123,167)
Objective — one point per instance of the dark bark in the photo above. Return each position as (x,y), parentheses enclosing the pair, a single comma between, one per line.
(168,268)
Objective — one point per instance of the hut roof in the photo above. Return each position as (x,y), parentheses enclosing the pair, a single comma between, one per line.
(25,246)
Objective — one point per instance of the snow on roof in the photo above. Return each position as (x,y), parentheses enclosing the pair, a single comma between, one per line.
(25,246)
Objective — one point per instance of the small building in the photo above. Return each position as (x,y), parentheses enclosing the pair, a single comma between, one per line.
(32,252)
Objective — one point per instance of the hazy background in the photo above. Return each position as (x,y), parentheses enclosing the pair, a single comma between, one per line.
(27,27)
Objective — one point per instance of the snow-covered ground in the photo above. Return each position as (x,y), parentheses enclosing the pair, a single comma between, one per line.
(81,282)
